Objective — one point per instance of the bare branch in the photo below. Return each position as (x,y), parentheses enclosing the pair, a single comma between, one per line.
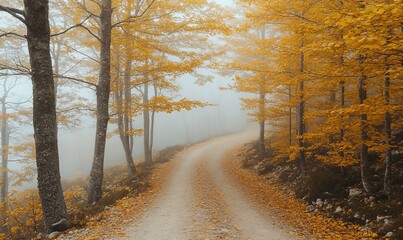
(132,18)
(77,80)
(12,34)
(17,13)
(70,28)
(90,32)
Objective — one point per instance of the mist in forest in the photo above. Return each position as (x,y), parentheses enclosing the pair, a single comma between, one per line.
(76,145)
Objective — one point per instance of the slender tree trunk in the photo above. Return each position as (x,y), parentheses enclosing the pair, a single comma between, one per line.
(388,132)
(5,135)
(365,168)
(342,103)
(289,117)
(300,117)
(127,119)
(55,214)
(262,107)
(146,117)
(103,89)
(152,126)
(262,147)
(332,99)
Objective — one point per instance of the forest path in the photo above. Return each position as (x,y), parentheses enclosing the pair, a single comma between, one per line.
(200,202)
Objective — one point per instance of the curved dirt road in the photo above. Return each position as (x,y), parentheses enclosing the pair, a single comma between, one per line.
(200,202)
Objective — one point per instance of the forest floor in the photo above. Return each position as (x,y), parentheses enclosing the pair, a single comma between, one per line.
(204,193)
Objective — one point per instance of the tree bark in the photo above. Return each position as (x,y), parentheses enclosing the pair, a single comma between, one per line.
(103,89)
(262,147)
(289,117)
(146,117)
(262,107)
(365,169)
(388,132)
(126,121)
(342,103)
(152,126)
(55,214)
(5,136)
(300,117)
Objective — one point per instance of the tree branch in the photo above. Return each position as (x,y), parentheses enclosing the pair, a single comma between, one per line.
(131,18)
(70,28)
(12,34)
(77,80)
(17,13)
(90,32)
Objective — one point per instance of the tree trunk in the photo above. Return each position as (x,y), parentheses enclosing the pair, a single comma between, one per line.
(146,117)
(262,107)
(342,103)
(262,147)
(289,118)
(127,120)
(388,132)
(152,127)
(365,169)
(103,89)
(55,214)
(300,118)
(5,136)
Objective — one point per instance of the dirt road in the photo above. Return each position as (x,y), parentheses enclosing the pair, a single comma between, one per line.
(200,201)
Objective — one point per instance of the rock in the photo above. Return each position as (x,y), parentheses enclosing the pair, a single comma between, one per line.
(54,235)
(224,229)
(355,193)
(365,229)
(357,215)
(388,225)
(310,208)
(41,236)
(319,202)
(390,235)
(382,218)
(338,209)
(107,208)
(329,207)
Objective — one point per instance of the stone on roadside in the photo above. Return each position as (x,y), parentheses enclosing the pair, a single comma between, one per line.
(355,193)
(390,235)
(382,218)
(338,209)
(310,208)
(319,202)
(54,235)
(41,236)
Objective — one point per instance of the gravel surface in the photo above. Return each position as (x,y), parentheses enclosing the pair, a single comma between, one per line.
(200,202)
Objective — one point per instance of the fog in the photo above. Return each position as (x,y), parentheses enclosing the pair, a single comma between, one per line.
(76,145)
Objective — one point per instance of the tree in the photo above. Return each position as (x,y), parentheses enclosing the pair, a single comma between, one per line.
(103,89)
(169,49)
(99,16)
(35,17)
(336,51)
